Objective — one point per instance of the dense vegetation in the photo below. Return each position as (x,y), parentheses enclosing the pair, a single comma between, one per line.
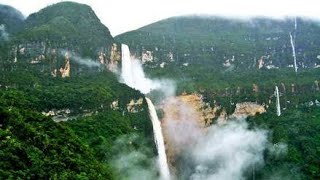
(208,43)
(67,25)
(212,41)
(79,148)
(298,129)
(34,146)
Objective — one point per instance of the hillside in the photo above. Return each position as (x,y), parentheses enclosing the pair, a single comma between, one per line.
(58,125)
(222,43)
(11,18)
(73,24)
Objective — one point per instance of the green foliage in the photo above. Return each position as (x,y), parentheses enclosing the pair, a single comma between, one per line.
(67,25)
(211,41)
(299,129)
(33,146)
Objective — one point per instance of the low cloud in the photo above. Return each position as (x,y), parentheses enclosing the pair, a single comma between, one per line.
(79,60)
(3,33)
(133,163)
(228,151)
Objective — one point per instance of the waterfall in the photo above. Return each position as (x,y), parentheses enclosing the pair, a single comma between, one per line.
(292,41)
(163,164)
(132,74)
(293,53)
(126,66)
(278,101)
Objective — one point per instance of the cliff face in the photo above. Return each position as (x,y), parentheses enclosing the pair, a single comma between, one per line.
(246,109)
(185,119)
(58,28)
(195,39)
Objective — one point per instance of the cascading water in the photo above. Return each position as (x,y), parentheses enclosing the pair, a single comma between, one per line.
(163,164)
(293,53)
(292,41)
(132,74)
(126,66)
(278,101)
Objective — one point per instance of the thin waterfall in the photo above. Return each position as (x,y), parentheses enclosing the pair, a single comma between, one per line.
(293,53)
(158,136)
(278,101)
(292,42)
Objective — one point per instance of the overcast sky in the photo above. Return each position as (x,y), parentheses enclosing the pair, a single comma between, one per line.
(125,15)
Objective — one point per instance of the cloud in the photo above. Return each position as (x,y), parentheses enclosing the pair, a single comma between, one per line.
(228,151)
(3,33)
(79,60)
(133,163)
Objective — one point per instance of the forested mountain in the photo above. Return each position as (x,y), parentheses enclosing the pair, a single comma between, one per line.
(36,99)
(11,19)
(64,114)
(223,43)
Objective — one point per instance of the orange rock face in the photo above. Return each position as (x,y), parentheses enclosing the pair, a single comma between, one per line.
(185,119)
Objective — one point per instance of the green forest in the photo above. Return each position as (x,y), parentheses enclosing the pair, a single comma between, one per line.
(215,57)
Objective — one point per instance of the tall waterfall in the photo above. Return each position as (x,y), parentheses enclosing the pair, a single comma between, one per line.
(278,101)
(126,66)
(163,164)
(132,74)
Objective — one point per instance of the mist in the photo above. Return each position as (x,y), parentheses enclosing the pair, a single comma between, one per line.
(82,61)
(228,151)
(133,163)
(133,75)
(3,33)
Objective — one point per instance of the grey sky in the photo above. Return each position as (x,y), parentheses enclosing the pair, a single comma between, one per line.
(125,15)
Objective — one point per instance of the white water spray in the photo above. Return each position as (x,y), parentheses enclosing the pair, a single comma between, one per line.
(157,131)
(278,101)
(132,74)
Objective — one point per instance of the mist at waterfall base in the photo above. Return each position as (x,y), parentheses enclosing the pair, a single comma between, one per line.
(229,151)
(132,163)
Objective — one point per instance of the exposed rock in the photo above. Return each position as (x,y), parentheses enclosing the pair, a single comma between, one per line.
(255,88)
(186,117)
(147,56)
(114,105)
(134,106)
(170,56)
(292,88)
(162,64)
(260,63)
(65,72)
(114,58)
(246,109)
